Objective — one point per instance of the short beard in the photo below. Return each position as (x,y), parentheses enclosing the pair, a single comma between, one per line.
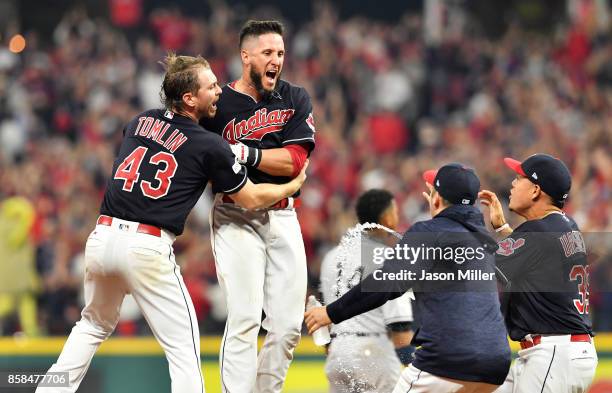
(256,79)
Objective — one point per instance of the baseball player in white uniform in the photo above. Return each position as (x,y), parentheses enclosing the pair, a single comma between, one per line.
(157,178)
(260,256)
(545,271)
(361,357)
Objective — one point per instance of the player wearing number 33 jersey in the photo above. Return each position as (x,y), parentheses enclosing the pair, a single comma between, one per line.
(164,163)
(543,265)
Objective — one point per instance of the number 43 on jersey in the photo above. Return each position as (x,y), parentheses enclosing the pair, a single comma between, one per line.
(129,172)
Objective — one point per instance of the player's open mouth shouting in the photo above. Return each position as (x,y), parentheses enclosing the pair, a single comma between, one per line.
(271,76)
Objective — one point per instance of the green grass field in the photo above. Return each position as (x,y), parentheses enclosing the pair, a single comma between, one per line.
(308,376)
(124,361)
(604,369)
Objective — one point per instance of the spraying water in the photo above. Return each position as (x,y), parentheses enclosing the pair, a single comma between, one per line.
(351,243)
(350,268)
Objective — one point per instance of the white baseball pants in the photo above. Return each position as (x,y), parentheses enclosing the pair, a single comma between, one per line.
(119,261)
(261,265)
(414,380)
(556,365)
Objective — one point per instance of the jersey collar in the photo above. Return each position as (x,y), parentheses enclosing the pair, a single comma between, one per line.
(275,94)
(232,86)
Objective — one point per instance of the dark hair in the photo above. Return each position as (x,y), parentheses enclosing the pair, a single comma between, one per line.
(181,77)
(444,201)
(552,200)
(255,28)
(372,204)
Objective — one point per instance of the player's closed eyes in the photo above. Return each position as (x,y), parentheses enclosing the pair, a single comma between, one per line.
(269,53)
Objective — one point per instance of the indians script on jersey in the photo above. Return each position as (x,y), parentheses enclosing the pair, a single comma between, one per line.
(257,126)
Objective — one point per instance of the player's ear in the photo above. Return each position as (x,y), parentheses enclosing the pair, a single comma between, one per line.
(388,217)
(244,56)
(436,200)
(189,99)
(536,192)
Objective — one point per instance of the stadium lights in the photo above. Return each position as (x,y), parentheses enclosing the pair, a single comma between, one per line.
(17,43)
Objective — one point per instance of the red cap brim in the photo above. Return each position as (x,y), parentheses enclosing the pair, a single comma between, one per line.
(514,165)
(430,175)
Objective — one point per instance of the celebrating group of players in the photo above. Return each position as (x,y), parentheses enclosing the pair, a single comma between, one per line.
(169,155)
(462,326)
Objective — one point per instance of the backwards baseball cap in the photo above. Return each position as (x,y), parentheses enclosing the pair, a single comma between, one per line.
(546,171)
(454,182)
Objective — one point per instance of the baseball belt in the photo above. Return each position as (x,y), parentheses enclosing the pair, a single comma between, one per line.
(537,339)
(282,204)
(358,334)
(141,228)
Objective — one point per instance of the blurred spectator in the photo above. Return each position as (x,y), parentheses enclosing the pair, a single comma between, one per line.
(18,278)
(125,13)
(172,28)
(388,104)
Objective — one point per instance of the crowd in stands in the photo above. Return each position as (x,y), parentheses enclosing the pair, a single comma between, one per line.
(387,106)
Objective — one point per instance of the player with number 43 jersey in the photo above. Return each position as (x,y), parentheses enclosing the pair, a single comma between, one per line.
(165,161)
(543,265)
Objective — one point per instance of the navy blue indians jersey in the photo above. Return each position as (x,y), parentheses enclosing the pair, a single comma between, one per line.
(163,166)
(544,265)
(283,118)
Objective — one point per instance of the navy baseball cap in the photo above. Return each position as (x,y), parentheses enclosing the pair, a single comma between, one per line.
(546,171)
(454,182)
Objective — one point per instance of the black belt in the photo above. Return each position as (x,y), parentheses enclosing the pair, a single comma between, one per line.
(357,334)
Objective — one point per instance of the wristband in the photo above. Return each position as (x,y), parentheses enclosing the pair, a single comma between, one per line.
(254,157)
(399,326)
(246,155)
(501,228)
(405,354)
